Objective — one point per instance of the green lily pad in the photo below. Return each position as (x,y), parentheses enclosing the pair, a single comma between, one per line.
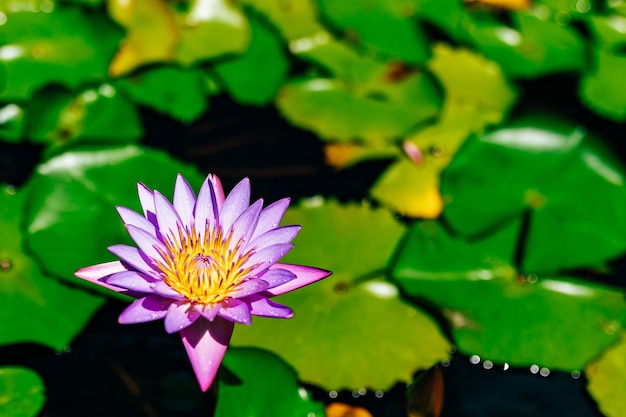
(39,309)
(60,117)
(602,89)
(521,320)
(71,204)
(499,175)
(293,18)
(609,31)
(341,334)
(269,385)
(66,45)
(177,92)
(533,47)
(255,76)
(383,26)
(447,15)
(21,392)
(12,122)
(607,379)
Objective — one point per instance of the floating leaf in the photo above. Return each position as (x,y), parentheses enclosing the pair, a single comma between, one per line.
(609,31)
(59,117)
(607,379)
(38,308)
(269,385)
(66,45)
(293,18)
(340,335)
(177,92)
(12,122)
(383,26)
(71,205)
(21,392)
(497,176)
(521,321)
(603,90)
(255,76)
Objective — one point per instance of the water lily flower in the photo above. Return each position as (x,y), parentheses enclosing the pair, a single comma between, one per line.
(203,264)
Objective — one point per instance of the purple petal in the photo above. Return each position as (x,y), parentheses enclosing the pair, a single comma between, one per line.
(305,275)
(131,280)
(145,309)
(249,287)
(276,277)
(244,226)
(270,217)
(218,189)
(146,198)
(135,258)
(209,311)
(237,201)
(148,244)
(261,306)
(283,234)
(266,257)
(235,310)
(206,343)
(132,217)
(180,316)
(206,209)
(184,201)
(95,273)
(167,218)
(161,288)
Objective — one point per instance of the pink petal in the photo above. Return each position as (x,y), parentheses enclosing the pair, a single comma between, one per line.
(206,343)
(283,234)
(267,256)
(146,198)
(206,208)
(167,218)
(145,309)
(271,216)
(148,244)
(261,306)
(95,273)
(218,189)
(135,258)
(249,287)
(132,217)
(276,277)
(209,312)
(235,310)
(131,280)
(305,275)
(244,226)
(184,201)
(237,201)
(180,316)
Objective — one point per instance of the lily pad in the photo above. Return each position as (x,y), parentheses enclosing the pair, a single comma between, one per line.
(66,45)
(177,92)
(21,392)
(40,309)
(59,117)
(602,89)
(499,175)
(255,76)
(341,334)
(71,204)
(521,320)
(269,385)
(607,379)
(293,18)
(609,31)
(12,122)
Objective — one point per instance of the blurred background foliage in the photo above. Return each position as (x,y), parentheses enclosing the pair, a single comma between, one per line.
(484,211)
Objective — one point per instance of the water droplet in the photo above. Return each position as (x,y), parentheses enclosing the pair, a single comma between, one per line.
(544,372)
(333,394)
(445,363)
(341,288)
(452,350)
(583,6)
(437,151)
(506,366)
(355,394)
(532,278)
(9,188)
(575,374)
(487,364)
(379,394)
(563,18)
(474,359)
(362,391)
(3,18)
(534,369)
(5,264)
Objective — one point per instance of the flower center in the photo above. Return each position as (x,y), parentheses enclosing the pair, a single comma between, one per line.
(203,269)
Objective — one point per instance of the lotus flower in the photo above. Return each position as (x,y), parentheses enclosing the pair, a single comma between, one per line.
(203,265)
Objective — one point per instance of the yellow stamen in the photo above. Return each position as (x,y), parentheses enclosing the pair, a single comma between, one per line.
(204,270)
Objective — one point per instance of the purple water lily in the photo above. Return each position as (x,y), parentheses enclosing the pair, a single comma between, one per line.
(203,265)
